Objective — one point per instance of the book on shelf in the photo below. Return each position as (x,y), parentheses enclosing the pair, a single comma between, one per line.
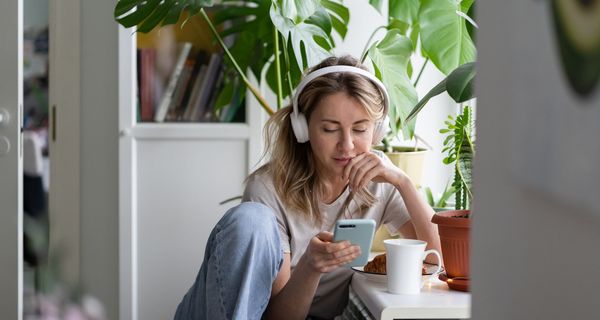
(174,79)
(191,90)
(200,105)
(196,86)
(174,111)
(195,80)
(146,80)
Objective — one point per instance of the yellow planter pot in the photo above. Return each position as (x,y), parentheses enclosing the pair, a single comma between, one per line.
(409,161)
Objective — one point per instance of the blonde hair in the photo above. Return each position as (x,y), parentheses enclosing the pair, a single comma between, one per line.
(292,164)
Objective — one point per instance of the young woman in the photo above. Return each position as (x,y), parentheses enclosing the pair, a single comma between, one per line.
(273,255)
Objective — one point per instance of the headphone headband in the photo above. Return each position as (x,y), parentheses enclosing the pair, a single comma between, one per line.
(340,68)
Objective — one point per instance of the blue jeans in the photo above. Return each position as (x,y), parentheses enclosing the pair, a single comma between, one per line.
(242,258)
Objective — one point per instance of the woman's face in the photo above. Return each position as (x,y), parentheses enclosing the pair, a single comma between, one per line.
(339,130)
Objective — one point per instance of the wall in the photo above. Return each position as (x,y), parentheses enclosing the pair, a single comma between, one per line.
(534,254)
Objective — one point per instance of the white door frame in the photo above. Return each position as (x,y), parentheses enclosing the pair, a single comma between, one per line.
(11,173)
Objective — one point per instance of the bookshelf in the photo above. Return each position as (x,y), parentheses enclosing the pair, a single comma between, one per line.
(181,77)
(173,174)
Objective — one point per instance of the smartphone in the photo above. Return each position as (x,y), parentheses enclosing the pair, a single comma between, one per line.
(358,232)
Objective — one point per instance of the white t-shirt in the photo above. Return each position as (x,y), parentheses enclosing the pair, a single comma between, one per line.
(296,230)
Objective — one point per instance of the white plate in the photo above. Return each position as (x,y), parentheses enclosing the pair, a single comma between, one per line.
(382,278)
(375,277)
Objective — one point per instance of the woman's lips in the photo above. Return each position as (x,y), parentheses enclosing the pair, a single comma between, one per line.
(342,161)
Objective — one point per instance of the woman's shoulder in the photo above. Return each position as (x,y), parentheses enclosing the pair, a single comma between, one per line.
(260,182)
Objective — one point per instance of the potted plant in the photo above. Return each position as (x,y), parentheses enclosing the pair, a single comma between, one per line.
(418,32)
(454,225)
(441,203)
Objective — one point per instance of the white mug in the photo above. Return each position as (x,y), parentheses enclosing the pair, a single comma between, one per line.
(404,263)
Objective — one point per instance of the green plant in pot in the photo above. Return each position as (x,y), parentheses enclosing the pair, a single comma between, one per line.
(418,32)
(454,225)
(440,203)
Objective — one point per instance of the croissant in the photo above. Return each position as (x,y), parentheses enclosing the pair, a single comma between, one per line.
(377,265)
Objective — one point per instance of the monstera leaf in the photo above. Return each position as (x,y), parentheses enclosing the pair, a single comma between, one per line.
(406,11)
(307,24)
(301,34)
(391,56)
(444,35)
(147,14)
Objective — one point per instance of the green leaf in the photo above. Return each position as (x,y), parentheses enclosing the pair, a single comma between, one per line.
(125,5)
(390,56)
(298,10)
(404,10)
(398,24)
(460,82)
(429,196)
(155,18)
(444,36)
(414,35)
(376,4)
(147,14)
(302,37)
(438,89)
(340,10)
(339,27)
(321,19)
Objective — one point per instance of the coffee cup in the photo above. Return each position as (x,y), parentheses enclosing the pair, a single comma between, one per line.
(404,263)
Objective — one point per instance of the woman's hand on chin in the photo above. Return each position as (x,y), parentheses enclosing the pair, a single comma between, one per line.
(323,255)
(370,167)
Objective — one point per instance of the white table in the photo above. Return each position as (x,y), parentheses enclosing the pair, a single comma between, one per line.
(435,301)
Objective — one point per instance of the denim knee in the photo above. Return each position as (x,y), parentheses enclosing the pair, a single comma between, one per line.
(251,219)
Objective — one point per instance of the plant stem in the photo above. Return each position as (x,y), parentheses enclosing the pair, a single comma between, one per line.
(363,55)
(278,69)
(288,73)
(239,70)
(420,72)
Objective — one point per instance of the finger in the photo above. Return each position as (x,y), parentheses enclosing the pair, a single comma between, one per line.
(365,171)
(350,164)
(356,168)
(346,257)
(325,236)
(344,251)
(369,176)
(337,246)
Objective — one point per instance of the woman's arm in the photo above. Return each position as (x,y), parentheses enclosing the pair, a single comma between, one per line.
(420,225)
(293,292)
(370,167)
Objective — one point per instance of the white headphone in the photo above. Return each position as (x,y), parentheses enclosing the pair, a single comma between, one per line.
(298,119)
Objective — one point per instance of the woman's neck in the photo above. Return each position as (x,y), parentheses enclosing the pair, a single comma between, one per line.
(331,188)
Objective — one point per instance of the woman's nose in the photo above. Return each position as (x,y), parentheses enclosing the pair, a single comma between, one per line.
(346,141)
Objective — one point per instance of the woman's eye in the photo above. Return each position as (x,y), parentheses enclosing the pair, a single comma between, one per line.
(360,130)
(329,130)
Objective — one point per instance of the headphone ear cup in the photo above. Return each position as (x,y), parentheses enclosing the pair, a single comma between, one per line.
(299,126)
(380,130)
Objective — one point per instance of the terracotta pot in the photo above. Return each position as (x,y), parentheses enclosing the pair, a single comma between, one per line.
(455,238)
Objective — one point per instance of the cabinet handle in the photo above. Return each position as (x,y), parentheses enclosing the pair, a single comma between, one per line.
(54,123)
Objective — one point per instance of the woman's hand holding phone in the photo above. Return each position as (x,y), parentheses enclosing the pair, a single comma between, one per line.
(323,255)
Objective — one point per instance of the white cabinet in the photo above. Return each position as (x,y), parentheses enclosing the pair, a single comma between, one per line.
(172,177)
